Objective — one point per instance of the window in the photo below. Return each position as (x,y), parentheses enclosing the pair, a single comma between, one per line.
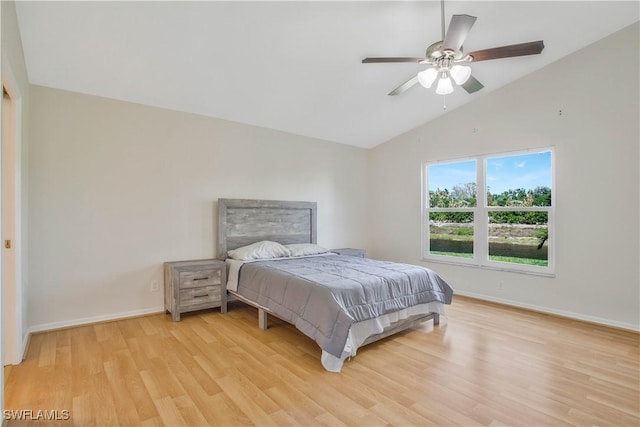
(492,211)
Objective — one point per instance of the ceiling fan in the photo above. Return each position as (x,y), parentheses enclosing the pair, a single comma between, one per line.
(446,57)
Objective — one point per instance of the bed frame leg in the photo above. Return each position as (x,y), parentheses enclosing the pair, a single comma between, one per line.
(262,319)
(436,319)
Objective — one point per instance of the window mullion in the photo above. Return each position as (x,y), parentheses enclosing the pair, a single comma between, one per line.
(480,219)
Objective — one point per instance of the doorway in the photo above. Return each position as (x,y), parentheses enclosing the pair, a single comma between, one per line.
(12,309)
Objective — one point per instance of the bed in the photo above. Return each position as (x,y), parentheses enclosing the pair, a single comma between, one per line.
(341,302)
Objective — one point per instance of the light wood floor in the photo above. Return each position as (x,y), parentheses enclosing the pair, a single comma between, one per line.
(485,365)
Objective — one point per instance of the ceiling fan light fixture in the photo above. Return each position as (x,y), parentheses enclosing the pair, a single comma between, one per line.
(444,86)
(460,74)
(427,77)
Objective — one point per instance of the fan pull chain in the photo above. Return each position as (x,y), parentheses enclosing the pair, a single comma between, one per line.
(444,103)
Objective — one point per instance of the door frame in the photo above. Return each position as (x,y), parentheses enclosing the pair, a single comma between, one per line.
(15,345)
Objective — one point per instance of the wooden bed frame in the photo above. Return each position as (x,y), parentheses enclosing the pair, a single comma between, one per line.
(244,221)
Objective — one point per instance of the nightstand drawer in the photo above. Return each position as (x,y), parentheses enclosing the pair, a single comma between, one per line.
(199,278)
(201,295)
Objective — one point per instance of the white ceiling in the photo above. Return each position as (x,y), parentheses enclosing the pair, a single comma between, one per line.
(292,66)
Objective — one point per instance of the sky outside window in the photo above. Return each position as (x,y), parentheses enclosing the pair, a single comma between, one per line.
(447,175)
(526,171)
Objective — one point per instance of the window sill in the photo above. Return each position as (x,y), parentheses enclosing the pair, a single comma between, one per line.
(490,267)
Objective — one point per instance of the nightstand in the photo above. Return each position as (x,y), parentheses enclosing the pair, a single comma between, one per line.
(194,285)
(350,251)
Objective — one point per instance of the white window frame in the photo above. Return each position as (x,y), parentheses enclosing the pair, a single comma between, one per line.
(481,212)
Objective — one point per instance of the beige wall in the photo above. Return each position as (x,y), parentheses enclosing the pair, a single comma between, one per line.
(120,188)
(597,183)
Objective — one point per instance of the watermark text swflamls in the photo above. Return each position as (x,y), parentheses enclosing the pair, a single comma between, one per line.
(37,415)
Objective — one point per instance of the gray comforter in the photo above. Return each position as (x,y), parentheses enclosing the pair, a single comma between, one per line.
(323,296)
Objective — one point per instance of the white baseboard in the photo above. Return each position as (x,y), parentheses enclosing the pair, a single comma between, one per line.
(86,320)
(561,313)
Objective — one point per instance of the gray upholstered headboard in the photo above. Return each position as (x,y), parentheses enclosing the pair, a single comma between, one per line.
(244,221)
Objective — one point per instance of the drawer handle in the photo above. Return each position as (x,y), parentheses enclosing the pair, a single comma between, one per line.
(201,296)
(201,278)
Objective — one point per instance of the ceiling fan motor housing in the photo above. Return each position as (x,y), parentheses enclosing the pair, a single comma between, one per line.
(435,53)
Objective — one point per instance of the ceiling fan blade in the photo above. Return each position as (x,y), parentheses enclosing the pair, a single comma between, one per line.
(404,86)
(457,32)
(399,59)
(472,85)
(522,49)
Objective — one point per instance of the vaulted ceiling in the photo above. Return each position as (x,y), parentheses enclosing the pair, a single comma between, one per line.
(293,66)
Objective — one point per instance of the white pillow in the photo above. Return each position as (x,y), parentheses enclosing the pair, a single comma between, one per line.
(259,250)
(302,249)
